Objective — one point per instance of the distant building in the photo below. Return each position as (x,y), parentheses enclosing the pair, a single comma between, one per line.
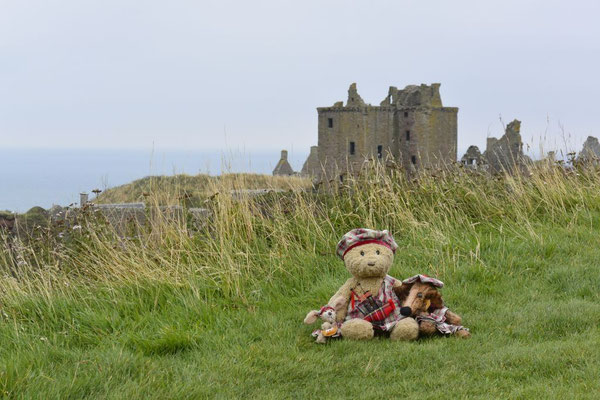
(311,166)
(590,151)
(506,153)
(472,158)
(283,167)
(410,125)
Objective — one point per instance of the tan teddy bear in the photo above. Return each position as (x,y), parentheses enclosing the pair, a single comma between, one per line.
(370,304)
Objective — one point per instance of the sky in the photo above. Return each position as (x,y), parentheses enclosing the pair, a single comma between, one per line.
(249,74)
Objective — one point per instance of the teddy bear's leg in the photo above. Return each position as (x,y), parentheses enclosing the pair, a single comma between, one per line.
(321,339)
(405,329)
(427,328)
(357,329)
(452,318)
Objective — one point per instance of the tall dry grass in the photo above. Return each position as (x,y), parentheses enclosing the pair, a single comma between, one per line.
(255,241)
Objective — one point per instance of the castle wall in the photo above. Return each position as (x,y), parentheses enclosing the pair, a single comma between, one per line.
(367,127)
(410,125)
(439,144)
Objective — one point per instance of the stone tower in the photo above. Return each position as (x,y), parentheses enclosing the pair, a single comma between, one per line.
(410,125)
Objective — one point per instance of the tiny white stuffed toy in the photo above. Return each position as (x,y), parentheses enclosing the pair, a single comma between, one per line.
(330,328)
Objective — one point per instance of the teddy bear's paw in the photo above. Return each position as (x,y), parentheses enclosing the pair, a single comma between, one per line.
(405,329)
(463,333)
(321,339)
(357,329)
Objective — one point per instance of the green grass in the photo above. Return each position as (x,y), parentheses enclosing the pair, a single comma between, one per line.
(220,316)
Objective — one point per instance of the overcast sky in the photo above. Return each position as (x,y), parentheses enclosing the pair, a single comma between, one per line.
(249,74)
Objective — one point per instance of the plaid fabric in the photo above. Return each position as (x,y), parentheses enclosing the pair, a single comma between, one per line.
(424,279)
(360,236)
(386,316)
(438,317)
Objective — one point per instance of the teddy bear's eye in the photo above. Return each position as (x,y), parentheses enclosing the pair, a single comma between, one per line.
(362,253)
(377,252)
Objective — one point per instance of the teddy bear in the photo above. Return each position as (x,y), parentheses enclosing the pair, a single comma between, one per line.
(368,304)
(421,296)
(330,328)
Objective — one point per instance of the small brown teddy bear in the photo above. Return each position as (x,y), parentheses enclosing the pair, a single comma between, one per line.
(420,295)
(369,301)
(330,328)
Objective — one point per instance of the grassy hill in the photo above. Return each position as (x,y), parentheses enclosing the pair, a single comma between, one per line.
(217,313)
(193,189)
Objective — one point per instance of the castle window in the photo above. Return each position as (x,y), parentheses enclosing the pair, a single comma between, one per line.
(407,135)
(413,159)
(379,151)
(352,148)
(330,122)
(341,178)
(405,114)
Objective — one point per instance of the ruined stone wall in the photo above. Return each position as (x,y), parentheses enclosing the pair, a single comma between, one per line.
(590,151)
(472,158)
(506,153)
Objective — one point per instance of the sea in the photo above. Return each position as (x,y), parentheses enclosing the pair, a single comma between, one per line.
(45,177)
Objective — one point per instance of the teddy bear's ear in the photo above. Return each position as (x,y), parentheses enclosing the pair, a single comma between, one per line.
(402,291)
(436,300)
(311,317)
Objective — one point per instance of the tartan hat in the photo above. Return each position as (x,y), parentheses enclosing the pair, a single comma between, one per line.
(325,308)
(424,279)
(360,236)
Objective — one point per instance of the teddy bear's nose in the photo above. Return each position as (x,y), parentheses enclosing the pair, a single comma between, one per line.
(406,311)
(371,264)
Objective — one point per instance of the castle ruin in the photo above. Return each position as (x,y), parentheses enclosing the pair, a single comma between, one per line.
(410,125)
(590,151)
(506,153)
(472,158)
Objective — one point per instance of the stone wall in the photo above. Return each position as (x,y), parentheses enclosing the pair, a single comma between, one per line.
(311,166)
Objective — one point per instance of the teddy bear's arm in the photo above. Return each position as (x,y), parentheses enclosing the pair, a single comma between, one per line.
(342,305)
